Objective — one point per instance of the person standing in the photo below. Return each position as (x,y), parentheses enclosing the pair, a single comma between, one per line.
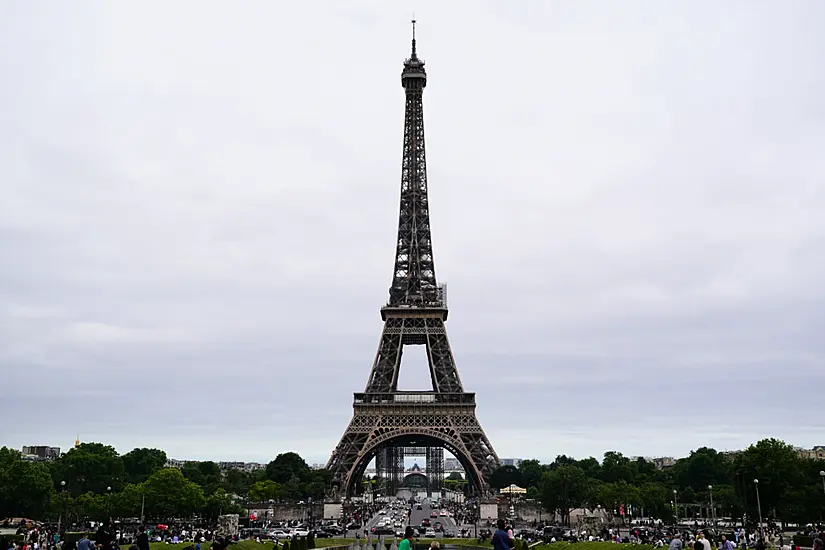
(142,540)
(84,543)
(676,543)
(406,543)
(501,539)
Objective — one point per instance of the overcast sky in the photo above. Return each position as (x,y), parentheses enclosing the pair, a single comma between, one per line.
(198,206)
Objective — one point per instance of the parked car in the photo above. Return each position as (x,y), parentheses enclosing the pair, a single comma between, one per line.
(278,534)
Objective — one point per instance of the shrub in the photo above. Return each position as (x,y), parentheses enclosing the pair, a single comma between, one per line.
(310,540)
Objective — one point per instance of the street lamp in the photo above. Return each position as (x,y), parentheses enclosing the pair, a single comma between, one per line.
(108,502)
(758,505)
(60,518)
(712,510)
(822,475)
(675,507)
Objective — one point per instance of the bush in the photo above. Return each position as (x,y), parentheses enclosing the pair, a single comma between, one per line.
(310,540)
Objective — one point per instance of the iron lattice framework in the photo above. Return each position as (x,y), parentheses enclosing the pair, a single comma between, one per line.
(391,471)
(385,419)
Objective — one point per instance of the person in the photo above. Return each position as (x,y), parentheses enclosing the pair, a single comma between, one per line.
(501,540)
(84,543)
(142,540)
(726,545)
(435,545)
(406,543)
(676,542)
(705,542)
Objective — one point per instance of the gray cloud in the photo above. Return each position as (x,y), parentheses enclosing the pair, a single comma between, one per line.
(199,207)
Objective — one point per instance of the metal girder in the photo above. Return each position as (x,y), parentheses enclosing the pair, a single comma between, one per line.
(435,470)
(374,427)
(385,421)
(401,331)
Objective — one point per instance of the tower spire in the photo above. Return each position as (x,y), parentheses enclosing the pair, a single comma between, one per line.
(414,283)
(414,55)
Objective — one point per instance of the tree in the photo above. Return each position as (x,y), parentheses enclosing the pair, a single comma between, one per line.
(90,506)
(704,466)
(563,489)
(126,503)
(318,484)
(27,487)
(287,466)
(237,481)
(613,496)
(616,467)
(591,467)
(169,494)
(531,471)
(89,467)
(655,500)
(505,476)
(219,503)
(291,490)
(779,471)
(264,490)
(139,464)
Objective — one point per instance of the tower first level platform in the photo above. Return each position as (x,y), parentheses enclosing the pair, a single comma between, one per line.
(412,419)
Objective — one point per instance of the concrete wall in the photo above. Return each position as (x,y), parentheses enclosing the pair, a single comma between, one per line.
(282,512)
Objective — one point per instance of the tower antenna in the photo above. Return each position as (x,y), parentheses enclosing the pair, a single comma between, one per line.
(413,37)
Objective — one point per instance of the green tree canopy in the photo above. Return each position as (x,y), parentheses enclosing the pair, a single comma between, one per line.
(264,490)
(531,471)
(169,494)
(89,467)
(287,466)
(27,488)
(505,476)
(139,464)
(562,489)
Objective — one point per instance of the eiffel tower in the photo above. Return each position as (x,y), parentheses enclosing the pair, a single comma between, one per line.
(386,420)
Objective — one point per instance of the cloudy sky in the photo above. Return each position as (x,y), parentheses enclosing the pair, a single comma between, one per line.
(198,205)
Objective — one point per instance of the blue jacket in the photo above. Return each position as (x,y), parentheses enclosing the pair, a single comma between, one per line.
(501,540)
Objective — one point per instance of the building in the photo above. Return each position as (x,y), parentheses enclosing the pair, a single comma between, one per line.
(663,462)
(511,461)
(41,452)
(452,465)
(175,463)
(247,467)
(816,453)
